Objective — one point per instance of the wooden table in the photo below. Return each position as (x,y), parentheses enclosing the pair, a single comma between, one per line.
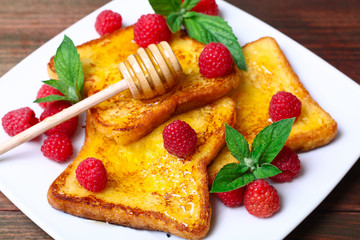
(331,29)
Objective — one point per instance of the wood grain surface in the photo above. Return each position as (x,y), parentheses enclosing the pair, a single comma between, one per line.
(330,29)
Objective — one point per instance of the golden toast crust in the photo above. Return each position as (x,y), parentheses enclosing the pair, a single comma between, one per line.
(147,187)
(269,72)
(133,119)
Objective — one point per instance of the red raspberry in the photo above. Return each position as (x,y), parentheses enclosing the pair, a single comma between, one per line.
(179,138)
(107,22)
(151,28)
(284,105)
(288,162)
(18,120)
(57,147)
(68,127)
(208,7)
(232,198)
(44,91)
(261,199)
(215,60)
(91,174)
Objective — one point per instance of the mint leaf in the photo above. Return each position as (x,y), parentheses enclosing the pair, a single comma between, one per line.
(230,178)
(68,91)
(68,66)
(189,4)
(241,168)
(266,170)
(268,143)
(206,29)
(256,164)
(69,70)
(174,21)
(72,95)
(165,7)
(237,144)
(51,98)
(201,27)
(59,85)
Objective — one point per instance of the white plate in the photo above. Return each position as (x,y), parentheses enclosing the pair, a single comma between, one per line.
(25,174)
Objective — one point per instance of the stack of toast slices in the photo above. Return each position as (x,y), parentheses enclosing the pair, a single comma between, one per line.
(149,188)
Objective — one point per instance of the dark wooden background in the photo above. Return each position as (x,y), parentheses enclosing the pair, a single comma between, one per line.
(331,29)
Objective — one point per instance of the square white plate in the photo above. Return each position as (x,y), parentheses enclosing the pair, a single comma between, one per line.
(25,174)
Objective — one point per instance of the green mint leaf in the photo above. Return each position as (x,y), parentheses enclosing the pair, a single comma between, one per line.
(189,4)
(59,85)
(242,168)
(165,7)
(68,66)
(231,177)
(268,143)
(206,29)
(174,21)
(72,95)
(69,92)
(237,144)
(51,98)
(69,70)
(266,170)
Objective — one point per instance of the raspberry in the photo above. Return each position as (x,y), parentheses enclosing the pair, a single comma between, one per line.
(261,199)
(18,120)
(91,174)
(232,198)
(107,22)
(288,162)
(57,147)
(215,60)
(284,105)
(208,7)
(68,127)
(44,91)
(179,138)
(151,28)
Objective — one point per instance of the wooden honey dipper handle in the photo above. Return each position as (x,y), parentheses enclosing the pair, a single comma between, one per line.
(150,72)
(62,116)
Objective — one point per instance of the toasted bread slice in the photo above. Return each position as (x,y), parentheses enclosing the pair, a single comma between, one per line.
(133,119)
(270,72)
(147,187)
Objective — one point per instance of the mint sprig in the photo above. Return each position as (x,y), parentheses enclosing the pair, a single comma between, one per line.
(189,4)
(201,27)
(206,29)
(165,7)
(69,70)
(255,164)
(174,21)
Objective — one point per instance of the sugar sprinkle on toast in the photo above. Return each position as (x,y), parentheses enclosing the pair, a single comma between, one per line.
(148,187)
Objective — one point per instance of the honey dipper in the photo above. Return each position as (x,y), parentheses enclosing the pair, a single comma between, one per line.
(149,72)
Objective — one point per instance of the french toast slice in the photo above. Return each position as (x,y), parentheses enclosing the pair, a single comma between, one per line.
(147,187)
(269,72)
(132,119)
